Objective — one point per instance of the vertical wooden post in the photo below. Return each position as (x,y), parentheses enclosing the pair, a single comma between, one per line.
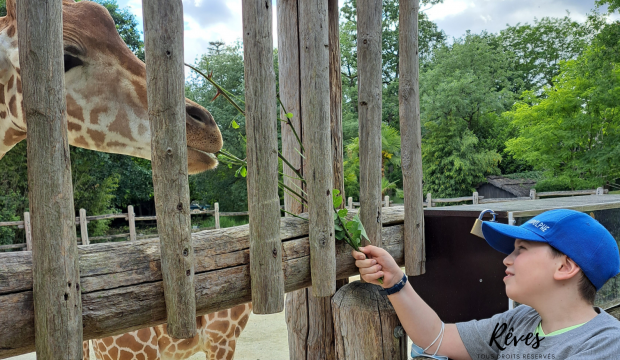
(131,217)
(262,154)
(216,215)
(314,45)
(533,194)
(429,200)
(350,202)
(475,198)
(335,95)
(370,88)
(165,82)
(56,276)
(386,201)
(84,227)
(600,191)
(411,137)
(28,230)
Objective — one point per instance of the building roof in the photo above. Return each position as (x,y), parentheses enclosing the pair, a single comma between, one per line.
(517,187)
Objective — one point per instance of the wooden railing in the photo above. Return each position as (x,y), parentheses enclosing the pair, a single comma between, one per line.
(83,220)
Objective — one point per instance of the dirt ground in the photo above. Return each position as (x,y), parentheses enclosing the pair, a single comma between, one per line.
(265,338)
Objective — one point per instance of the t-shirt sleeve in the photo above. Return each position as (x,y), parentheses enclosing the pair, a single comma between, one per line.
(476,334)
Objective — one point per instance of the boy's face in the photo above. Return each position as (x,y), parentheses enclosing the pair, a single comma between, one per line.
(529,271)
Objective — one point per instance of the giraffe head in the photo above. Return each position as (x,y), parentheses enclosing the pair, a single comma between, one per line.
(105,88)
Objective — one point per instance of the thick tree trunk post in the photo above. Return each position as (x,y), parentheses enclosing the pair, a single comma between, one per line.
(56,276)
(84,227)
(216,215)
(165,80)
(370,88)
(262,155)
(360,304)
(411,135)
(28,230)
(131,216)
(314,56)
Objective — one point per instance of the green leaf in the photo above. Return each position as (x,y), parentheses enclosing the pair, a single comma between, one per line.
(234,125)
(229,165)
(336,192)
(337,227)
(289,115)
(337,201)
(343,212)
(244,172)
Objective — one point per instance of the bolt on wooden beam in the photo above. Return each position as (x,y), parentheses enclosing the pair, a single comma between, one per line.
(56,276)
(165,82)
(262,154)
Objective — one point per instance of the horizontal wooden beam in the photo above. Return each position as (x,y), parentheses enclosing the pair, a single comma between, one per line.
(122,287)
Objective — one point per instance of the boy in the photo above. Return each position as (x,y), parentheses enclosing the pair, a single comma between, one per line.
(556,262)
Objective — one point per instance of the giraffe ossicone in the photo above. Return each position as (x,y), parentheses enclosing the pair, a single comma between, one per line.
(105,87)
(107,111)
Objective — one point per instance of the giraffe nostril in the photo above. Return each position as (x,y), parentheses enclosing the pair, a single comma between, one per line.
(200,114)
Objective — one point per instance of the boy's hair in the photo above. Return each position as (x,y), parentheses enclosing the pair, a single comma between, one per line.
(586,289)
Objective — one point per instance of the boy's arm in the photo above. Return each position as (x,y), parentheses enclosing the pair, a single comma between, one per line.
(420,322)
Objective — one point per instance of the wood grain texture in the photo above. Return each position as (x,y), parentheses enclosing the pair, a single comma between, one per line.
(262,156)
(122,287)
(290,95)
(56,302)
(314,61)
(28,231)
(335,97)
(411,136)
(131,215)
(369,104)
(360,303)
(84,227)
(165,82)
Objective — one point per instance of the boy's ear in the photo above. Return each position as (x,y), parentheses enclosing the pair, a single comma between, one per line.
(566,269)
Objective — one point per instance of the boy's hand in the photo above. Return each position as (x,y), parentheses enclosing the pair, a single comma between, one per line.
(379,263)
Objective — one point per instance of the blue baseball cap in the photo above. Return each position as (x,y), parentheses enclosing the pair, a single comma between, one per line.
(574,233)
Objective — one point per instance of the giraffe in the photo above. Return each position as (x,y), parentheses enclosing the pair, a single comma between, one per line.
(107,111)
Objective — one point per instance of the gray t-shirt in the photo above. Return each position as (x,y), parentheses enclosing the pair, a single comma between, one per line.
(509,335)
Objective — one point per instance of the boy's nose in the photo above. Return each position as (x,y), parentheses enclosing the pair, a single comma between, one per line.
(508,260)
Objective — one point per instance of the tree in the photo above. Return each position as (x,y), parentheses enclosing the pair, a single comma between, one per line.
(572,132)
(613,4)
(541,47)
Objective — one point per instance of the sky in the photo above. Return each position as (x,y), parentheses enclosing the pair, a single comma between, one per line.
(212,20)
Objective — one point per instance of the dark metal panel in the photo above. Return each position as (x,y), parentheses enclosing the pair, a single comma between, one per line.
(456,261)
(490,191)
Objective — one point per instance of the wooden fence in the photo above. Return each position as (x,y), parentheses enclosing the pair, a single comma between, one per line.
(130,216)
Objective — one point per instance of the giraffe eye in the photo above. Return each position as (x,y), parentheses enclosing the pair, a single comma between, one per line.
(71,62)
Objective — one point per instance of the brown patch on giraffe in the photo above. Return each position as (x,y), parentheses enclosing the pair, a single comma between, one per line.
(142,129)
(230,354)
(236,312)
(18,70)
(188,344)
(120,125)
(220,353)
(112,144)
(237,331)
(74,126)
(113,353)
(108,341)
(97,136)
(140,356)
(140,90)
(211,316)
(3,114)
(219,325)
(223,342)
(128,341)
(12,137)
(13,105)
(164,342)
(150,352)
(125,355)
(244,321)
(9,85)
(2,94)
(144,335)
(95,112)
(101,347)
(80,142)
(19,85)
(223,314)
(11,31)
(73,109)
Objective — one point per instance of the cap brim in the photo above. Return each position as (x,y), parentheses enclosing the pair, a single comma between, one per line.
(502,237)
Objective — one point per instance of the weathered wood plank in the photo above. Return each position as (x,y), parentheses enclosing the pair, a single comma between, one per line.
(122,287)
(369,108)
(262,156)
(57,301)
(165,83)
(314,56)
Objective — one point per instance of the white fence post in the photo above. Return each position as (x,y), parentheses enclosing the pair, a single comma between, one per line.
(28,230)
(84,227)
(475,198)
(600,191)
(387,201)
(429,200)
(131,217)
(217,215)
(533,194)
(350,201)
